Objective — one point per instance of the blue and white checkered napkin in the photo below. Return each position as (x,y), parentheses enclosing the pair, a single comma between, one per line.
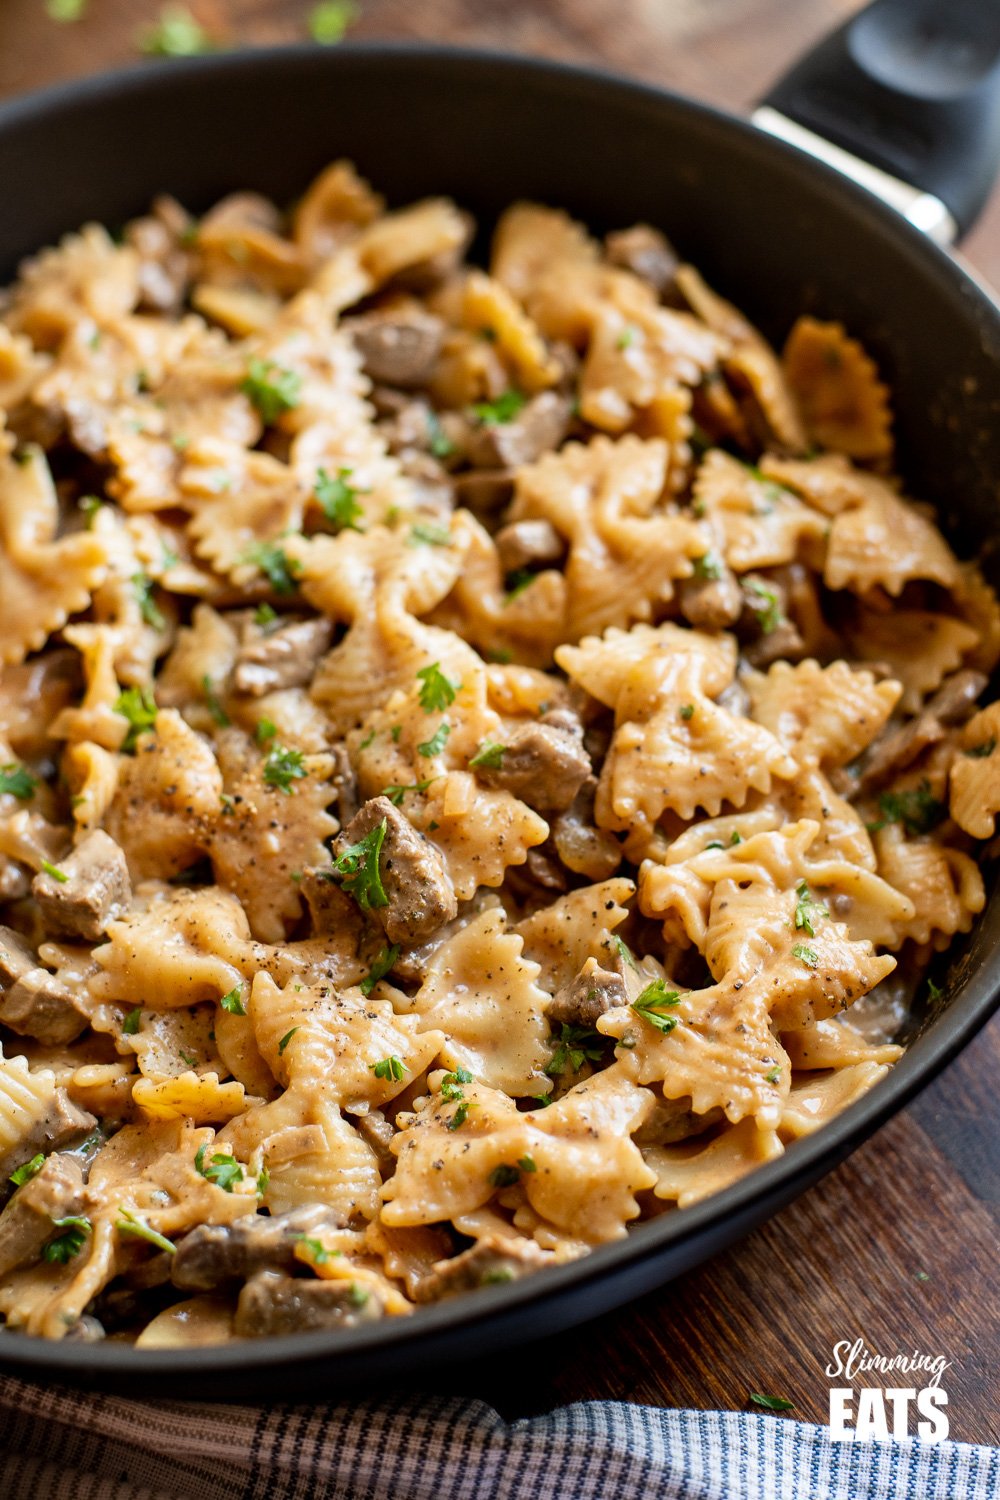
(56,1444)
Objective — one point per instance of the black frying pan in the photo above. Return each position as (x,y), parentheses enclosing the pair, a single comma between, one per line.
(772,229)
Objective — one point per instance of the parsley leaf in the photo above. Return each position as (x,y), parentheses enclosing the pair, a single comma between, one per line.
(286,1039)
(338,499)
(429,536)
(808,910)
(215,708)
(980,752)
(437,741)
(653,1001)
(451,1084)
(439,442)
(130,1223)
(489,755)
(768,612)
(27,1170)
(142,588)
(138,706)
(771,1403)
(460,1116)
(65,10)
(504,1176)
(576,1046)
(54,872)
(282,767)
(329,21)
(318,1253)
(626,338)
(686,711)
(222,1169)
(707,566)
(809,956)
(359,864)
(379,969)
(18,781)
(436,690)
(515,583)
(934,991)
(527,1164)
(390,1068)
(397,792)
(774,1076)
(176,34)
(504,409)
(265,730)
(233,1001)
(275,564)
(132,1022)
(271,389)
(918,810)
(62,1249)
(264,615)
(623,949)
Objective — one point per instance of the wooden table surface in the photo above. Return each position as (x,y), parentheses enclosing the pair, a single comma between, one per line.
(899,1246)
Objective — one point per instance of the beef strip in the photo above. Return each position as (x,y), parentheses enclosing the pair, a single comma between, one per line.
(711,603)
(768,633)
(26,1224)
(646,253)
(346,783)
(16,958)
(581,845)
(282,658)
(214,1253)
(330,908)
(490,1261)
(272,1304)
(419,891)
(527,544)
(62,1124)
(34,1002)
(587,996)
(539,426)
(378,1132)
(399,348)
(543,764)
(96,890)
(952,704)
(485,492)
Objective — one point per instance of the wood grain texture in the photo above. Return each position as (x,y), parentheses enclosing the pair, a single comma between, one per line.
(922,1199)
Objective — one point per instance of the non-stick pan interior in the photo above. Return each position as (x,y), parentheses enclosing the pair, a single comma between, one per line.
(772,230)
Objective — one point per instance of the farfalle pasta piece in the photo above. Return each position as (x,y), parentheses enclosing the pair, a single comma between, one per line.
(529,239)
(185,947)
(190,1096)
(918,646)
(602,664)
(488,306)
(168,795)
(87,276)
(759,522)
(688,1172)
(881,542)
(974,783)
(943,884)
(844,404)
(822,715)
(812,1102)
(561,937)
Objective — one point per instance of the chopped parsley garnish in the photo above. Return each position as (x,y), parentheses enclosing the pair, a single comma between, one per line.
(142,588)
(27,1170)
(318,1253)
(392,1069)
(275,564)
(186,1057)
(286,1039)
(980,752)
(132,1022)
(808,911)
(934,991)
(222,1169)
(130,1223)
(18,781)
(707,566)
(543,1100)
(395,732)
(264,616)
(232,1001)
(338,499)
(284,766)
(329,21)
(379,969)
(918,810)
(460,1116)
(504,409)
(90,505)
(451,1084)
(489,755)
(774,1075)
(809,956)
(138,706)
(626,338)
(436,690)
(271,389)
(176,34)
(266,730)
(516,583)
(496,1276)
(769,617)
(357,1296)
(504,1176)
(65,10)
(359,864)
(55,872)
(397,792)
(527,1164)
(771,1403)
(437,741)
(577,1045)
(263,1181)
(439,442)
(215,708)
(686,711)
(76,1228)
(653,1001)
(429,536)
(623,949)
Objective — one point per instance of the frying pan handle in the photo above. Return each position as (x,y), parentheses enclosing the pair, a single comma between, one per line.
(906,98)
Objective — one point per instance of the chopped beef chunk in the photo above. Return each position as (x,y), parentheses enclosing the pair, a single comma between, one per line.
(588,995)
(26,1224)
(544,869)
(952,704)
(330,908)
(96,890)
(581,845)
(282,658)
(214,1253)
(419,891)
(645,252)
(769,634)
(543,764)
(539,427)
(63,1123)
(399,348)
(490,1261)
(484,491)
(377,1132)
(34,1002)
(272,1304)
(528,544)
(346,783)
(711,603)
(674,1120)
